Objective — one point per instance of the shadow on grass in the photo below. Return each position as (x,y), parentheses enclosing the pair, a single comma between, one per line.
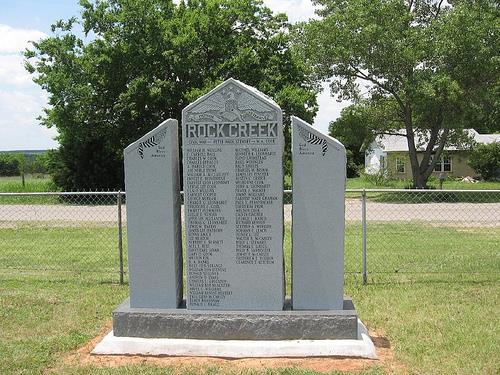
(432,279)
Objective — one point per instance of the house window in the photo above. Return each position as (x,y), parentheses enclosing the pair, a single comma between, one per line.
(444,164)
(400,165)
(382,162)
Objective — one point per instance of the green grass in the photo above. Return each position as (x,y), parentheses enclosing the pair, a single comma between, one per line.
(441,324)
(435,296)
(427,197)
(80,249)
(32,185)
(449,184)
(43,185)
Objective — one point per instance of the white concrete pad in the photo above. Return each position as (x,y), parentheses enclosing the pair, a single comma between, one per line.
(361,348)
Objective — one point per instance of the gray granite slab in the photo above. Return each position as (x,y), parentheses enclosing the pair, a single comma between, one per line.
(236,325)
(153,218)
(233,185)
(363,347)
(319,178)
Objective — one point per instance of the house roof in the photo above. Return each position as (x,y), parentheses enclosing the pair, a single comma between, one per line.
(392,143)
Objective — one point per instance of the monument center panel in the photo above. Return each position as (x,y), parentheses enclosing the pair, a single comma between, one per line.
(233,147)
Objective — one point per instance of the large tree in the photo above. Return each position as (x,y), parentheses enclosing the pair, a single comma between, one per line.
(126,65)
(357,125)
(434,65)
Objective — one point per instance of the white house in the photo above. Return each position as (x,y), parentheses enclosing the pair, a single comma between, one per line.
(390,153)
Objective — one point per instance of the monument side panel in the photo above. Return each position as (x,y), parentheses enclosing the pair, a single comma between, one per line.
(153,218)
(233,185)
(318,217)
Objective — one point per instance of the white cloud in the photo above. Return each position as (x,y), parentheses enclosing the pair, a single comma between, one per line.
(21,100)
(297,10)
(14,41)
(19,128)
(12,71)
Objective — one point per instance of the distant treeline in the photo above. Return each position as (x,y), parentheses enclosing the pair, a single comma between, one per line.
(20,163)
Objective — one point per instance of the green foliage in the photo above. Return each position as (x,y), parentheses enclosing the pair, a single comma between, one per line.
(485,159)
(41,163)
(433,65)
(353,165)
(355,129)
(379,180)
(146,60)
(9,164)
(21,164)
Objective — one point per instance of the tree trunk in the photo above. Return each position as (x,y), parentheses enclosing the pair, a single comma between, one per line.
(421,172)
(419,182)
(419,178)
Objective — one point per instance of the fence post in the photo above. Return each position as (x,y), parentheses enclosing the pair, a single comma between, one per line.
(363,223)
(120,234)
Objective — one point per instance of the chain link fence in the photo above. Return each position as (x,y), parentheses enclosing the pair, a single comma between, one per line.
(387,232)
(429,231)
(75,233)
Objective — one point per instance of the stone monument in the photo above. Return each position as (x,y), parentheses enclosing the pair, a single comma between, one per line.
(233,196)
(153,218)
(233,182)
(319,177)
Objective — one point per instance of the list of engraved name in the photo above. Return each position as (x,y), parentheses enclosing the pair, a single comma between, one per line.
(206,224)
(253,232)
(220,194)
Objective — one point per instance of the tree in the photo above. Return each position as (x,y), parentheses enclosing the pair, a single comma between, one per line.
(434,64)
(485,159)
(41,163)
(356,126)
(146,60)
(9,164)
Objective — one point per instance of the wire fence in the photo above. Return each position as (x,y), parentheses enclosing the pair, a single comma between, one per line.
(391,232)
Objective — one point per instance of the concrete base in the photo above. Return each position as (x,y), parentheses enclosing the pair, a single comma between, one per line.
(361,348)
(287,324)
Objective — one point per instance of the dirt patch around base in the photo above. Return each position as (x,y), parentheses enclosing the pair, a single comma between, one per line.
(385,352)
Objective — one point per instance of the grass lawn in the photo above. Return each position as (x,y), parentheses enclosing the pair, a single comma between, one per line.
(37,184)
(425,197)
(449,184)
(45,184)
(32,185)
(436,298)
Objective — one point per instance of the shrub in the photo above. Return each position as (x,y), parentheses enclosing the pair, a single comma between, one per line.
(485,159)
(9,165)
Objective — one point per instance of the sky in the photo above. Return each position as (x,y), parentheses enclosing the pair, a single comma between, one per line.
(22,101)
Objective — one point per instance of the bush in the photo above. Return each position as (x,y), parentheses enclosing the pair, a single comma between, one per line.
(381,179)
(9,165)
(485,159)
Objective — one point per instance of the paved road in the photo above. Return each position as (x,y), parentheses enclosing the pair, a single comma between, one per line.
(467,213)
